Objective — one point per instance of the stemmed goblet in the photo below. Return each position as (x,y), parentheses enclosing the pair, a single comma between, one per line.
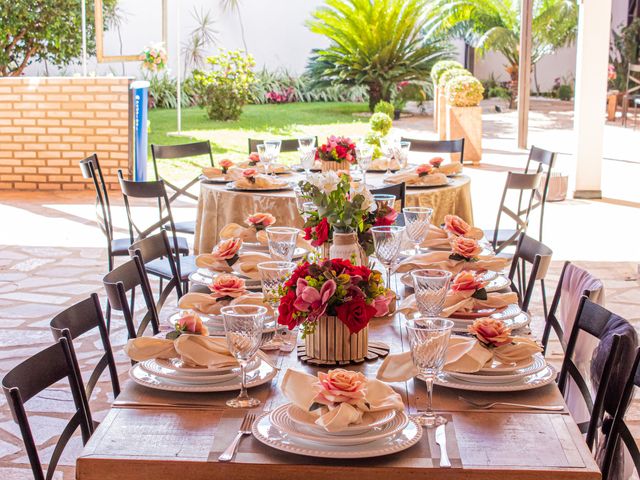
(364,154)
(403,153)
(243,330)
(428,340)
(387,241)
(282,242)
(417,221)
(430,287)
(307,158)
(273,275)
(264,156)
(273,150)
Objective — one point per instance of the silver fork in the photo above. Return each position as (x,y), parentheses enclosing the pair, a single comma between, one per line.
(245,429)
(487,406)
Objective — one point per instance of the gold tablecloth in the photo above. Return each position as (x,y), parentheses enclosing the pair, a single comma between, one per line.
(218,206)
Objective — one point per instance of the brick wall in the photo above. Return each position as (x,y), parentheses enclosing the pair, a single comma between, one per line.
(48,124)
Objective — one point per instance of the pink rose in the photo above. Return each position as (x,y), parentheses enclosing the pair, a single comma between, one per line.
(467,281)
(227,285)
(455,225)
(340,386)
(226,163)
(310,300)
(191,323)
(249,172)
(465,247)
(262,220)
(424,169)
(491,332)
(381,303)
(227,249)
(436,161)
(254,158)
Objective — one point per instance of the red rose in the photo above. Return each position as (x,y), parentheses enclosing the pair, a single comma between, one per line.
(341,151)
(355,314)
(322,233)
(300,272)
(286,310)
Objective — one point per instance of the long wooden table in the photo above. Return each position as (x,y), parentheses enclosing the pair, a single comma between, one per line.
(163,435)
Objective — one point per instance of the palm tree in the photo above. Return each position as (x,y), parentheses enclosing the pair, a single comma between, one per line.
(494,25)
(202,37)
(376,43)
(234,6)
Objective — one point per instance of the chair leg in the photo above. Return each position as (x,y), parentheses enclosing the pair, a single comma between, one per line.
(160,289)
(544,298)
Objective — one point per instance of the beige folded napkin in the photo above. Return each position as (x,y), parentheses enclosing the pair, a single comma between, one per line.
(464,355)
(196,350)
(261,181)
(233,230)
(263,239)
(439,238)
(302,390)
(209,305)
(233,173)
(247,263)
(441,260)
(410,177)
(463,302)
(261,167)
(449,168)
(384,163)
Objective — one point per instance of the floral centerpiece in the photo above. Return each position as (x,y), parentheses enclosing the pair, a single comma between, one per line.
(343,209)
(337,154)
(154,58)
(333,302)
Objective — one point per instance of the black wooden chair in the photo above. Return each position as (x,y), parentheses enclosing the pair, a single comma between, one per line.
(35,375)
(126,278)
(564,293)
(540,161)
(185,150)
(617,341)
(155,254)
(537,256)
(437,146)
(618,434)
(525,184)
(287,145)
(83,317)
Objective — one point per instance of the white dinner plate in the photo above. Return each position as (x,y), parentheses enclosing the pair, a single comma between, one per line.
(516,322)
(280,419)
(219,179)
(275,188)
(539,379)
(497,281)
(204,276)
(178,367)
(369,421)
(264,431)
(498,368)
(263,374)
(154,368)
(538,363)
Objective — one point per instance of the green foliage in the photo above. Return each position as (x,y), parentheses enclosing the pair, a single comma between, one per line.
(624,49)
(450,74)
(464,91)
(46,30)
(442,66)
(226,88)
(381,123)
(498,91)
(565,92)
(163,91)
(383,107)
(376,43)
(200,39)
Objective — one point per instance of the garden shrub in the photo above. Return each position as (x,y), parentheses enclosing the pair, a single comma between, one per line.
(464,91)
(381,123)
(452,73)
(384,107)
(442,66)
(565,92)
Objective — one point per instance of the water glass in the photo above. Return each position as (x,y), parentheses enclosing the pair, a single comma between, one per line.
(306,143)
(307,159)
(389,147)
(384,200)
(282,242)
(430,287)
(417,221)
(273,150)
(387,241)
(273,275)
(264,156)
(243,331)
(428,340)
(403,153)
(364,155)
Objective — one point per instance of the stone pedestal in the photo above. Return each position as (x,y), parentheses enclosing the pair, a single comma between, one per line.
(466,122)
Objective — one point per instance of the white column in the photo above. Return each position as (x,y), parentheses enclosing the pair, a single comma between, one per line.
(83,21)
(524,72)
(594,29)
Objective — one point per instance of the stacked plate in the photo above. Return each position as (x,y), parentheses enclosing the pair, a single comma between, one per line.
(291,429)
(497,377)
(204,276)
(215,325)
(512,316)
(173,375)
(497,281)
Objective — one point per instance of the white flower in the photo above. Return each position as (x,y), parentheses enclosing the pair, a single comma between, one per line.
(369,203)
(325,182)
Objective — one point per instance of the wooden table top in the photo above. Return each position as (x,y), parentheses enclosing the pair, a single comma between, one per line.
(164,435)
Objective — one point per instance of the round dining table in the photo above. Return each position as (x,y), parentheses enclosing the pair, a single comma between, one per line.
(218,205)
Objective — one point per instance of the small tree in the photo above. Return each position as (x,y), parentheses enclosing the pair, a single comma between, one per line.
(44,30)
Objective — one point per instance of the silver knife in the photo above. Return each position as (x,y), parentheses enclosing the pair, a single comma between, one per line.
(441,440)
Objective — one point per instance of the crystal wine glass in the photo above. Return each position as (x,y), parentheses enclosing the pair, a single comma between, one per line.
(430,287)
(364,154)
(273,275)
(264,156)
(384,200)
(243,331)
(403,153)
(389,147)
(307,158)
(306,143)
(428,340)
(282,242)
(387,241)
(417,221)
(273,150)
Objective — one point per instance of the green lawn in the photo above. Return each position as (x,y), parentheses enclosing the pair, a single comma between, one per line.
(229,139)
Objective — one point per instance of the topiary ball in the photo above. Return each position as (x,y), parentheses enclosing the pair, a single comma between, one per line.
(442,66)
(381,123)
(384,107)
(464,91)
(452,73)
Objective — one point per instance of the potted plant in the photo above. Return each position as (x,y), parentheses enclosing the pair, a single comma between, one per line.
(464,114)
(337,154)
(441,126)
(333,302)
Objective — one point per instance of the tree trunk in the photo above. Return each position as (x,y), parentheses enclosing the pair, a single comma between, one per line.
(375,94)
(513,85)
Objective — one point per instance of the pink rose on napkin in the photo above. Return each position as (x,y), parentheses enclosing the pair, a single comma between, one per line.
(260,220)
(467,281)
(424,169)
(254,158)
(340,386)
(309,299)
(191,323)
(467,248)
(436,161)
(490,332)
(381,303)
(227,285)
(227,249)
(455,225)
(226,164)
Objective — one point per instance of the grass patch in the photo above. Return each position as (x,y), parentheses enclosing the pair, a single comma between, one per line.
(229,139)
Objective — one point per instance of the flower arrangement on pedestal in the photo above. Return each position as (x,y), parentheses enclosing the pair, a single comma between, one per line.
(154,57)
(337,154)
